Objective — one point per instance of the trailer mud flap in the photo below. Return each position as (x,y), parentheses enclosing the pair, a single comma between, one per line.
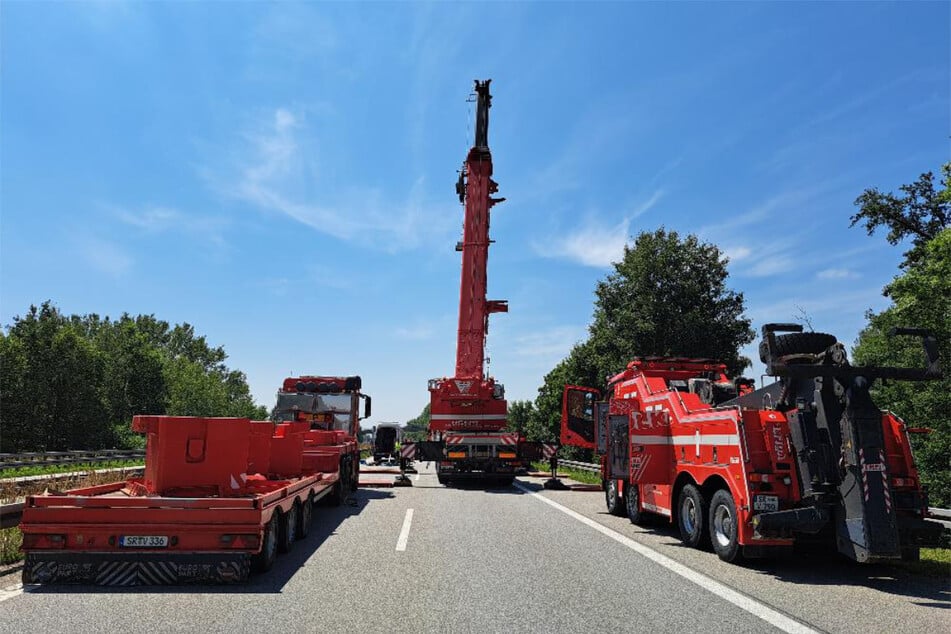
(430,451)
(136,569)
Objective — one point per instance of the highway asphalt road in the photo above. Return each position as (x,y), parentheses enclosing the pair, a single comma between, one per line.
(429,558)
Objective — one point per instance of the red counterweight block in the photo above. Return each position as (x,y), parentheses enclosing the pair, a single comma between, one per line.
(188,454)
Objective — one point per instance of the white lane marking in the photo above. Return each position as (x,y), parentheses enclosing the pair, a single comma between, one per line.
(416,478)
(773,617)
(11,592)
(404,532)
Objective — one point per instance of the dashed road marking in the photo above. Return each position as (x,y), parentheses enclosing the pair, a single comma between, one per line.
(404,532)
(770,615)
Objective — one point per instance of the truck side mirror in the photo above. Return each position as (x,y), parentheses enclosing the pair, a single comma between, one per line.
(366,407)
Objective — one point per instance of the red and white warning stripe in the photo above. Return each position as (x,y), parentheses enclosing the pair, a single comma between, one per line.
(408,451)
(549,450)
(864,472)
(888,494)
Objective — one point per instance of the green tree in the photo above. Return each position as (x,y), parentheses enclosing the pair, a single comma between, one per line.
(920,213)
(519,415)
(76,382)
(667,297)
(921,297)
(418,428)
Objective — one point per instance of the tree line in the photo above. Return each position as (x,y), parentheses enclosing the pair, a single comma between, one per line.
(75,381)
(667,296)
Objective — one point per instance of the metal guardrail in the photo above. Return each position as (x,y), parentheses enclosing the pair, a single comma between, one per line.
(11,512)
(580,466)
(92,456)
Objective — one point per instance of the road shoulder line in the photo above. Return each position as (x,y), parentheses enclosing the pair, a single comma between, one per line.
(761,610)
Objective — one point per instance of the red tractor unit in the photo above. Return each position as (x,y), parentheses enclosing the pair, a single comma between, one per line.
(808,458)
(468,411)
(219,497)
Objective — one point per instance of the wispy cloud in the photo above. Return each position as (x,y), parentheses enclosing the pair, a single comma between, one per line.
(836,274)
(158,219)
(103,255)
(417,332)
(276,174)
(554,342)
(596,243)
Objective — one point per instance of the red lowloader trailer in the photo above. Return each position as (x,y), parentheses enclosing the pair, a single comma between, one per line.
(219,496)
(809,458)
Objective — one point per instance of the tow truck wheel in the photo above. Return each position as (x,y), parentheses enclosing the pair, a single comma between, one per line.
(910,553)
(632,497)
(288,528)
(306,517)
(692,517)
(262,561)
(724,526)
(612,499)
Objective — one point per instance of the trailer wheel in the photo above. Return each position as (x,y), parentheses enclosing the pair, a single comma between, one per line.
(264,560)
(632,498)
(692,517)
(288,528)
(724,526)
(612,499)
(306,517)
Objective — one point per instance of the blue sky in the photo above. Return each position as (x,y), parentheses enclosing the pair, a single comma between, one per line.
(281,175)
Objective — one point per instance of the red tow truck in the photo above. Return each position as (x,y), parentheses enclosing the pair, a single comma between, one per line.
(220,497)
(808,458)
(467,435)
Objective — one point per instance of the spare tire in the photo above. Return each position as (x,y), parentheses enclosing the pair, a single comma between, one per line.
(798,343)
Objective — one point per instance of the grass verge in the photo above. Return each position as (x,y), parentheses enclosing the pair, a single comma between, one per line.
(586,477)
(40,469)
(10,540)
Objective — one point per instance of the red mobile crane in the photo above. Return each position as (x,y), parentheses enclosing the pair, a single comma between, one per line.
(469,411)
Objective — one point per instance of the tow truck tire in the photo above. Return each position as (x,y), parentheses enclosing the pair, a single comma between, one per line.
(264,560)
(612,499)
(910,553)
(306,517)
(799,343)
(632,503)
(724,526)
(506,481)
(692,517)
(287,533)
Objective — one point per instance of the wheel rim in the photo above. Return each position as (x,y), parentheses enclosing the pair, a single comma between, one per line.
(723,528)
(688,515)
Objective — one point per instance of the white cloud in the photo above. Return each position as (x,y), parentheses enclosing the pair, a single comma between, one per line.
(737,253)
(595,243)
(158,219)
(278,174)
(771,264)
(836,274)
(104,256)
(555,342)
